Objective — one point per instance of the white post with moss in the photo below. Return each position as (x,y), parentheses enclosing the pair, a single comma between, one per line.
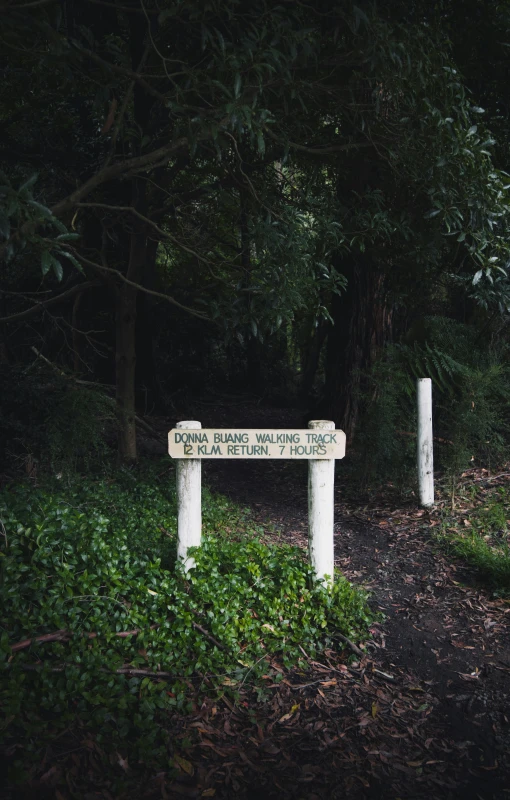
(321,509)
(189,502)
(425,452)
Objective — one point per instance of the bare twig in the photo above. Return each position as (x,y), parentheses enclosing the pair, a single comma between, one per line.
(40,305)
(145,425)
(48,362)
(57,636)
(121,169)
(243,173)
(148,672)
(413,435)
(305,685)
(81,382)
(208,636)
(384,675)
(70,377)
(153,225)
(121,671)
(494,478)
(128,73)
(109,270)
(354,647)
(64,636)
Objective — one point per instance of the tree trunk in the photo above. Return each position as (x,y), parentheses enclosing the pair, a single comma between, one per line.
(253,359)
(361,316)
(312,354)
(146,379)
(76,335)
(253,366)
(4,355)
(4,358)
(125,360)
(362,325)
(125,344)
(126,298)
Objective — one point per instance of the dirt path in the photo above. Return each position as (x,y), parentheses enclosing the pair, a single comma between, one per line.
(425,715)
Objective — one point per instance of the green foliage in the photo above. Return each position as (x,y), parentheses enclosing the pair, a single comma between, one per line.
(471,390)
(21,212)
(75,430)
(481,537)
(97,559)
(385,452)
(45,417)
(294,136)
(477,421)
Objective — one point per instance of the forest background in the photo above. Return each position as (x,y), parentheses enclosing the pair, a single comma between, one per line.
(307,203)
(300,206)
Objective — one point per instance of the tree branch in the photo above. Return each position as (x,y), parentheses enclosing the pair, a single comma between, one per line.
(319,151)
(128,73)
(354,647)
(34,4)
(153,225)
(42,304)
(125,168)
(64,636)
(167,297)
(122,671)
(121,169)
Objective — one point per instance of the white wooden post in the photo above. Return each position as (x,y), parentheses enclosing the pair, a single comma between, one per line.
(189,502)
(425,450)
(321,482)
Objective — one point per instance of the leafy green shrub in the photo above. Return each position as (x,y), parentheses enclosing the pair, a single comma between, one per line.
(75,430)
(477,421)
(484,542)
(385,451)
(471,402)
(96,559)
(53,422)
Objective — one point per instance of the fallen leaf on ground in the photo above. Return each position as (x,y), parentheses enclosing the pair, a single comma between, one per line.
(292,711)
(185,765)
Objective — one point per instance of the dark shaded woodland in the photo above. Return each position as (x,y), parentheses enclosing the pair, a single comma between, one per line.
(253,214)
(288,202)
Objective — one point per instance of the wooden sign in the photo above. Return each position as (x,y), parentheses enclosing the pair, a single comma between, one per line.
(256,443)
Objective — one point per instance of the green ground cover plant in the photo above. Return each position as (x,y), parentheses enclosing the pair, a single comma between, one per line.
(470,389)
(480,534)
(119,636)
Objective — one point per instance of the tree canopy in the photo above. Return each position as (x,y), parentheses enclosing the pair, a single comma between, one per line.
(253,174)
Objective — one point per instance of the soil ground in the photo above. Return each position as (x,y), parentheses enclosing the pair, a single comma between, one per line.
(425,714)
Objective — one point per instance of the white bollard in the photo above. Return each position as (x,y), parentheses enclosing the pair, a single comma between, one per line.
(321,483)
(189,502)
(425,451)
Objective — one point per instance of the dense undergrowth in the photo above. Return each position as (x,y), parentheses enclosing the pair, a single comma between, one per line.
(93,563)
(477,530)
(471,409)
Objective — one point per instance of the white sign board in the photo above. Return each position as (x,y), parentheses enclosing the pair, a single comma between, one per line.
(256,443)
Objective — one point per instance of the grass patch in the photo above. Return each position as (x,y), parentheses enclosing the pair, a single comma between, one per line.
(95,559)
(479,533)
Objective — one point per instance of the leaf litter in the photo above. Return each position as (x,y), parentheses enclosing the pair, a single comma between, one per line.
(423,714)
